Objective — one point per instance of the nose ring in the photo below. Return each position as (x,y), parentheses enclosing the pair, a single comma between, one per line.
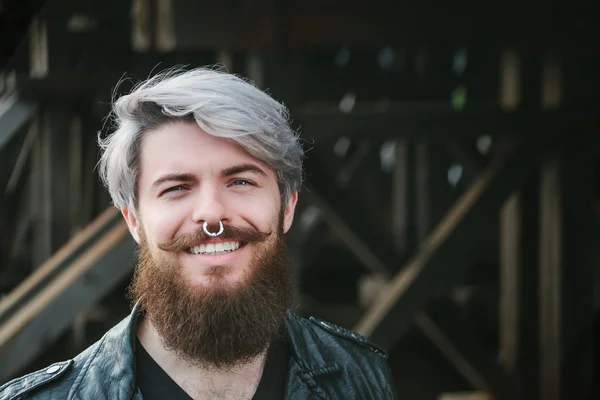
(211,234)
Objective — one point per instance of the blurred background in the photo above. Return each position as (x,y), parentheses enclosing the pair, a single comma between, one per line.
(450,211)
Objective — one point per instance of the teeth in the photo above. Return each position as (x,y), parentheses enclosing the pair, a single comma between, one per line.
(213,248)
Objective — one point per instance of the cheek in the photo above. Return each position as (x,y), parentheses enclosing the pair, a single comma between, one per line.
(162,223)
(260,212)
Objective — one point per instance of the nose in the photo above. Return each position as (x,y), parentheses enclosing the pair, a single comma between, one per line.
(210,207)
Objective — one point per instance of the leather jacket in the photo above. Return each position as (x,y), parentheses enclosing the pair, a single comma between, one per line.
(327,362)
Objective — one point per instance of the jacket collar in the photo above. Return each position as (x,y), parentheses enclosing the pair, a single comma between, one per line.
(109,367)
(309,351)
(311,363)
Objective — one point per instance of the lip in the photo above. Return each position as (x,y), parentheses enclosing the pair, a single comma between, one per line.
(217,259)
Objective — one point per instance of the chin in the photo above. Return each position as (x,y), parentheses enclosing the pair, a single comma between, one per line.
(224,276)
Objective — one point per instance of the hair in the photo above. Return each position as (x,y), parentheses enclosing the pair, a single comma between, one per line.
(222,104)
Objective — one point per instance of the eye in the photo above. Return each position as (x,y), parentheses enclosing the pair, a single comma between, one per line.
(242,182)
(177,188)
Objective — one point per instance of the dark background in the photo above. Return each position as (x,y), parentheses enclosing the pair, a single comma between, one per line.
(450,208)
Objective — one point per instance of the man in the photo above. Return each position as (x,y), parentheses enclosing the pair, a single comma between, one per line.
(206,171)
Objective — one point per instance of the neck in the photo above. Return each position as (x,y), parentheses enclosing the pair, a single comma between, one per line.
(201,383)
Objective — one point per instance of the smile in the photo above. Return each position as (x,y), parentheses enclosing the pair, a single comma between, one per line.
(214,248)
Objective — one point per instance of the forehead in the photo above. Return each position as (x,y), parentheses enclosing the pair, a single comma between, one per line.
(183,147)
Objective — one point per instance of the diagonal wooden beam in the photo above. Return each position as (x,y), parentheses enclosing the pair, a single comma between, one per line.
(39,310)
(441,324)
(433,266)
(456,337)
(348,218)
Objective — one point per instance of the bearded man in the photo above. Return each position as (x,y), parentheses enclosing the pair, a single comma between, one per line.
(206,170)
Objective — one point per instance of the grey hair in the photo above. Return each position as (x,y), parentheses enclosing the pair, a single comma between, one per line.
(222,104)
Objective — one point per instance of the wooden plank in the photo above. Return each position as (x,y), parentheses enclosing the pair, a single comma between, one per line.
(461,346)
(518,240)
(550,275)
(56,136)
(458,340)
(50,312)
(14,113)
(566,273)
(510,234)
(347,218)
(63,256)
(510,293)
(400,201)
(363,27)
(519,280)
(566,270)
(392,312)
(40,199)
(422,191)
(75,175)
(322,122)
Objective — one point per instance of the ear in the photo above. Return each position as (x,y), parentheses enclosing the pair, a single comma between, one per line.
(288,212)
(132,223)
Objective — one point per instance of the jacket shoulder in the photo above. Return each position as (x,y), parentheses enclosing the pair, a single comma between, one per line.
(349,335)
(23,385)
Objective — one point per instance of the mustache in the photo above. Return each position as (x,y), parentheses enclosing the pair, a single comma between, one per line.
(230,233)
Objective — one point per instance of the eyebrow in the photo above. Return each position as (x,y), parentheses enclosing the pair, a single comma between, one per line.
(236,169)
(173,178)
(185,177)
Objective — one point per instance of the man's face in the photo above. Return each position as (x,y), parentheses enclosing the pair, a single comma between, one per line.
(214,309)
(188,177)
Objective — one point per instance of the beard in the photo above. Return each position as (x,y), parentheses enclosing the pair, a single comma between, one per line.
(221,325)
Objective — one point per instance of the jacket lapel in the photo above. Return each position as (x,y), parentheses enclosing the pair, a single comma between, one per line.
(109,371)
(310,365)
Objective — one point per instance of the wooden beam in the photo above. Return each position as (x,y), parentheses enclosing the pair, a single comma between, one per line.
(550,275)
(451,334)
(566,271)
(422,190)
(347,218)
(14,113)
(519,281)
(511,296)
(361,26)
(519,243)
(55,135)
(400,201)
(566,274)
(65,255)
(457,339)
(43,315)
(325,122)
(40,200)
(392,312)
(510,231)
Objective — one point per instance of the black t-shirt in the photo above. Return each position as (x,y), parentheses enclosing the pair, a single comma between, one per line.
(155,384)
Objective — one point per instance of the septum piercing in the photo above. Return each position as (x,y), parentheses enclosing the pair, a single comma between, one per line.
(211,234)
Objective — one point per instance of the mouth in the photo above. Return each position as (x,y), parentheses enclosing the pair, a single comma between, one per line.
(215,248)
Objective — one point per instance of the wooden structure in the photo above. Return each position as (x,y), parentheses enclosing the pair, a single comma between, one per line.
(452,167)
